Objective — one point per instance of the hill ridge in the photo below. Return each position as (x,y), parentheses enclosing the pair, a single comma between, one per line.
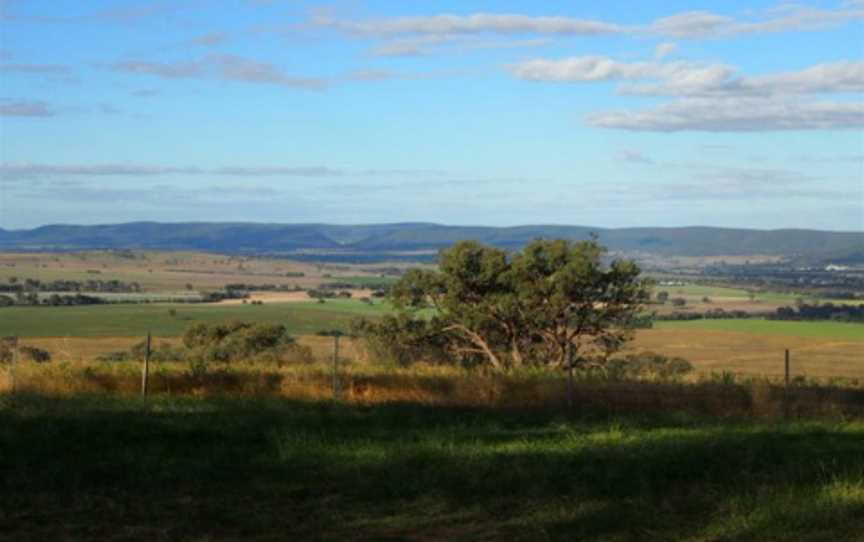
(287,238)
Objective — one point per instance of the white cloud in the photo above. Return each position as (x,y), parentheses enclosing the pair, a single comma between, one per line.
(831,77)
(690,79)
(234,68)
(601,68)
(632,156)
(34,68)
(714,97)
(781,18)
(223,67)
(684,25)
(426,45)
(691,24)
(179,70)
(36,170)
(843,76)
(270,171)
(447,24)
(210,40)
(144,93)
(27,170)
(25,108)
(736,114)
(664,49)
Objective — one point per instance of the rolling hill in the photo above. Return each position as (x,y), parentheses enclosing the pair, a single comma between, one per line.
(384,239)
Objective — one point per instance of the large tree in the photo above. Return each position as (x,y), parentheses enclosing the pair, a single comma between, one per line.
(553,302)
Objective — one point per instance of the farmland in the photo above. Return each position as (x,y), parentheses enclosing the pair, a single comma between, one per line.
(125,320)
(166,272)
(744,346)
(417,452)
(750,346)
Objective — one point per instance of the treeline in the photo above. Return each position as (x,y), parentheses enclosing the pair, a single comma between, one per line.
(828,311)
(382,286)
(14,286)
(803,312)
(54,300)
(242,287)
(713,314)
(34,299)
(328,294)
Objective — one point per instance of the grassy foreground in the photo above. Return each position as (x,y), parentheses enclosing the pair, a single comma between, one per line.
(83,468)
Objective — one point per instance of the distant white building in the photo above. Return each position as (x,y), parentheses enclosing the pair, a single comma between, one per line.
(833,267)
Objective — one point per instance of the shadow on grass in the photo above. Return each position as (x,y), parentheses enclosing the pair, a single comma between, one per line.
(269,469)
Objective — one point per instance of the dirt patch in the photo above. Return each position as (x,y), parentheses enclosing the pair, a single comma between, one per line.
(271,297)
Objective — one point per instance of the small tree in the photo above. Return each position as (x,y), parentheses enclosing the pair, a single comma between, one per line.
(662,297)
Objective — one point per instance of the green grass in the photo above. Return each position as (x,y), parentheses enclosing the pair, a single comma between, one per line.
(822,330)
(128,320)
(699,290)
(220,469)
(363,280)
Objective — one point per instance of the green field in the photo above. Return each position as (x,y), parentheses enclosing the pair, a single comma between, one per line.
(128,320)
(361,281)
(821,330)
(305,318)
(232,469)
(699,291)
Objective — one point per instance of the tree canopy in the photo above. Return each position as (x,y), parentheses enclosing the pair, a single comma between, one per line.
(552,302)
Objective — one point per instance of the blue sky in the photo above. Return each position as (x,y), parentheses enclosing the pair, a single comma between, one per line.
(611,114)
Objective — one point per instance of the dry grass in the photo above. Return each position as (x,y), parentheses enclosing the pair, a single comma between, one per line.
(709,351)
(445,386)
(756,354)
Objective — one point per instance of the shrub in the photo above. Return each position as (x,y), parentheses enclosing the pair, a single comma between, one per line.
(235,341)
(34,354)
(401,340)
(7,350)
(162,352)
(648,365)
(25,353)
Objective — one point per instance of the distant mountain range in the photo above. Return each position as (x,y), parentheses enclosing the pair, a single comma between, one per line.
(391,239)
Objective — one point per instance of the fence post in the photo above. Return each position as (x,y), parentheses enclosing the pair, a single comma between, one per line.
(570,385)
(145,372)
(336,390)
(14,345)
(786,387)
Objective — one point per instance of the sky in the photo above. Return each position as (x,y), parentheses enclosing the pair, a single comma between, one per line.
(610,114)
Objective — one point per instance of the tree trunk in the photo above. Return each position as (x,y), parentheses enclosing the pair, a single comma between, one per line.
(480,343)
